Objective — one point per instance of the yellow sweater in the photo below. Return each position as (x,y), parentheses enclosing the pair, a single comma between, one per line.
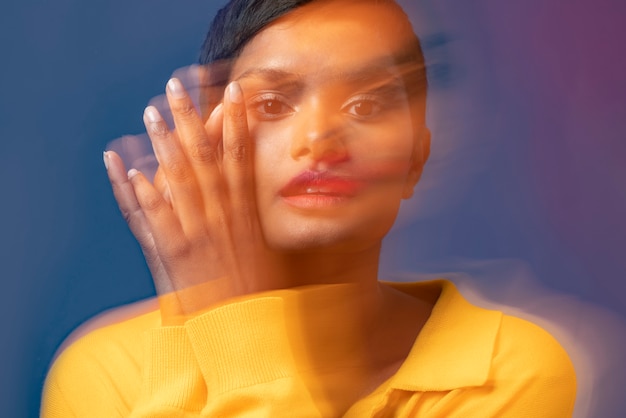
(238,360)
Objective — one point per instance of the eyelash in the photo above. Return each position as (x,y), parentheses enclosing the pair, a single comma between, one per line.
(364,98)
(262,100)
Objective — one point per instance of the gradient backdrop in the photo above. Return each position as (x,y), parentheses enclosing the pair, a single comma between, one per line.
(539,177)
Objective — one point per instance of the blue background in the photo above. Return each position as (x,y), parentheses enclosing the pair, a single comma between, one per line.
(549,189)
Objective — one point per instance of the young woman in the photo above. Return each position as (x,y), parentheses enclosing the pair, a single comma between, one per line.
(263,230)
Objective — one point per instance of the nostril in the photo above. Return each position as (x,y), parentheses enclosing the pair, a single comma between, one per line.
(329,151)
(320,137)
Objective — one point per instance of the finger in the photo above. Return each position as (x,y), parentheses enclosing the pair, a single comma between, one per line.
(160,183)
(133,214)
(189,126)
(185,199)
(166,230)
(185,261)
(201,149)
(213,126)
(217,203)
(126,199)
(237,160)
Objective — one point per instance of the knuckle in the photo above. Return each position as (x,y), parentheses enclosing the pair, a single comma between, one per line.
(151,204)
(237,110)
(203,152)
(199,240)
(178,170)
(219,223)
(151,254)
(176,249)
(128,216)
(237,152)
(159,129)
(184,109)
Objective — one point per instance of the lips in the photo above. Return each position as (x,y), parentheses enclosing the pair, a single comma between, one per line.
(312,188)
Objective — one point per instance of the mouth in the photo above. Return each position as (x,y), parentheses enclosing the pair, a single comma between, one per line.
(312,189)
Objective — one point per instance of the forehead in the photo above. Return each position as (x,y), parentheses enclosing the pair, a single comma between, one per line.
(329,38)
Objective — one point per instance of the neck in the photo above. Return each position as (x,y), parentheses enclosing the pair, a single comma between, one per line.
(347,339)
(331,267)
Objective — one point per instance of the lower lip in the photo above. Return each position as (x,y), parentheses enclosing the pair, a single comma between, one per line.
(316,201)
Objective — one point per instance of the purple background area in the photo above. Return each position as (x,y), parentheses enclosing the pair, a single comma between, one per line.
(550,188)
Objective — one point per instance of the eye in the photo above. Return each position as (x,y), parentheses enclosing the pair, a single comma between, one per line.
(273,107)
(363,108)
(270,106)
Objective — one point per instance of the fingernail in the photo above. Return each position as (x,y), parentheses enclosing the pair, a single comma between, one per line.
(234,92)
(152,114)
(216,110)
(176,88)
(105,157)
(132,173)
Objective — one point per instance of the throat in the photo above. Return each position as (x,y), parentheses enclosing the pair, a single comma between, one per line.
(341,337)
(331,266)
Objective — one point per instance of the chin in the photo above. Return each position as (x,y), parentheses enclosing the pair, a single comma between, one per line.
(326,235)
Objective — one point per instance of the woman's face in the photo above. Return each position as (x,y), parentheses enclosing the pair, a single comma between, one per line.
(338,142)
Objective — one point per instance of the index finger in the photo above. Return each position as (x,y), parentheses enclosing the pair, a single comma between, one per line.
(200,144)
(237,162)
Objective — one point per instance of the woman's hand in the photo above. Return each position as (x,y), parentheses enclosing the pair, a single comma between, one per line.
(198,225)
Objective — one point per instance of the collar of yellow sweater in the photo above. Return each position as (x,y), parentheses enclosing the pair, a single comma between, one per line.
(456,346)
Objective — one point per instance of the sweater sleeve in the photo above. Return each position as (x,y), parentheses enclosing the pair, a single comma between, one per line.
(171,383)
(120,372)
(244,354)
(225,362)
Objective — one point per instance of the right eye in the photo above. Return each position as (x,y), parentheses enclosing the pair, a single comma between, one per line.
(270,107)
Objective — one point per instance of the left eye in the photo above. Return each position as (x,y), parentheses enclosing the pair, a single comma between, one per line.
(363,108)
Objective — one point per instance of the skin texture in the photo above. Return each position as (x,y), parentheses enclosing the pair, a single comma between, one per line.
(293,180)
(324,119)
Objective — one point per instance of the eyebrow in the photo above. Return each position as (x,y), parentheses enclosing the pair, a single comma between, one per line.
(371,72)
(275,76)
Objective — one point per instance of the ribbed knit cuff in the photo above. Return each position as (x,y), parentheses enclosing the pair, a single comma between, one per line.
(242,344)
(171,376)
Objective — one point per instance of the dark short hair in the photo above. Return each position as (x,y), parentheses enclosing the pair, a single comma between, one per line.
(238,22)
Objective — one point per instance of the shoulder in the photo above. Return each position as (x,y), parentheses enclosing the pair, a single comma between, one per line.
(523,336)
(110,330)
(100,355)
(531,371)
(121,319)
(505,337)
(536,353)
(495,364)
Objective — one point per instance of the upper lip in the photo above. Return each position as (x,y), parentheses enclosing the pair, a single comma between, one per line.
(320,183)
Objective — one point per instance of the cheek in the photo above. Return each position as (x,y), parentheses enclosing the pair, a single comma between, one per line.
(271,155)
(385,153)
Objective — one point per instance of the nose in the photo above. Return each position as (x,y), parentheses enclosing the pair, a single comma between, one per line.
(320,135)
